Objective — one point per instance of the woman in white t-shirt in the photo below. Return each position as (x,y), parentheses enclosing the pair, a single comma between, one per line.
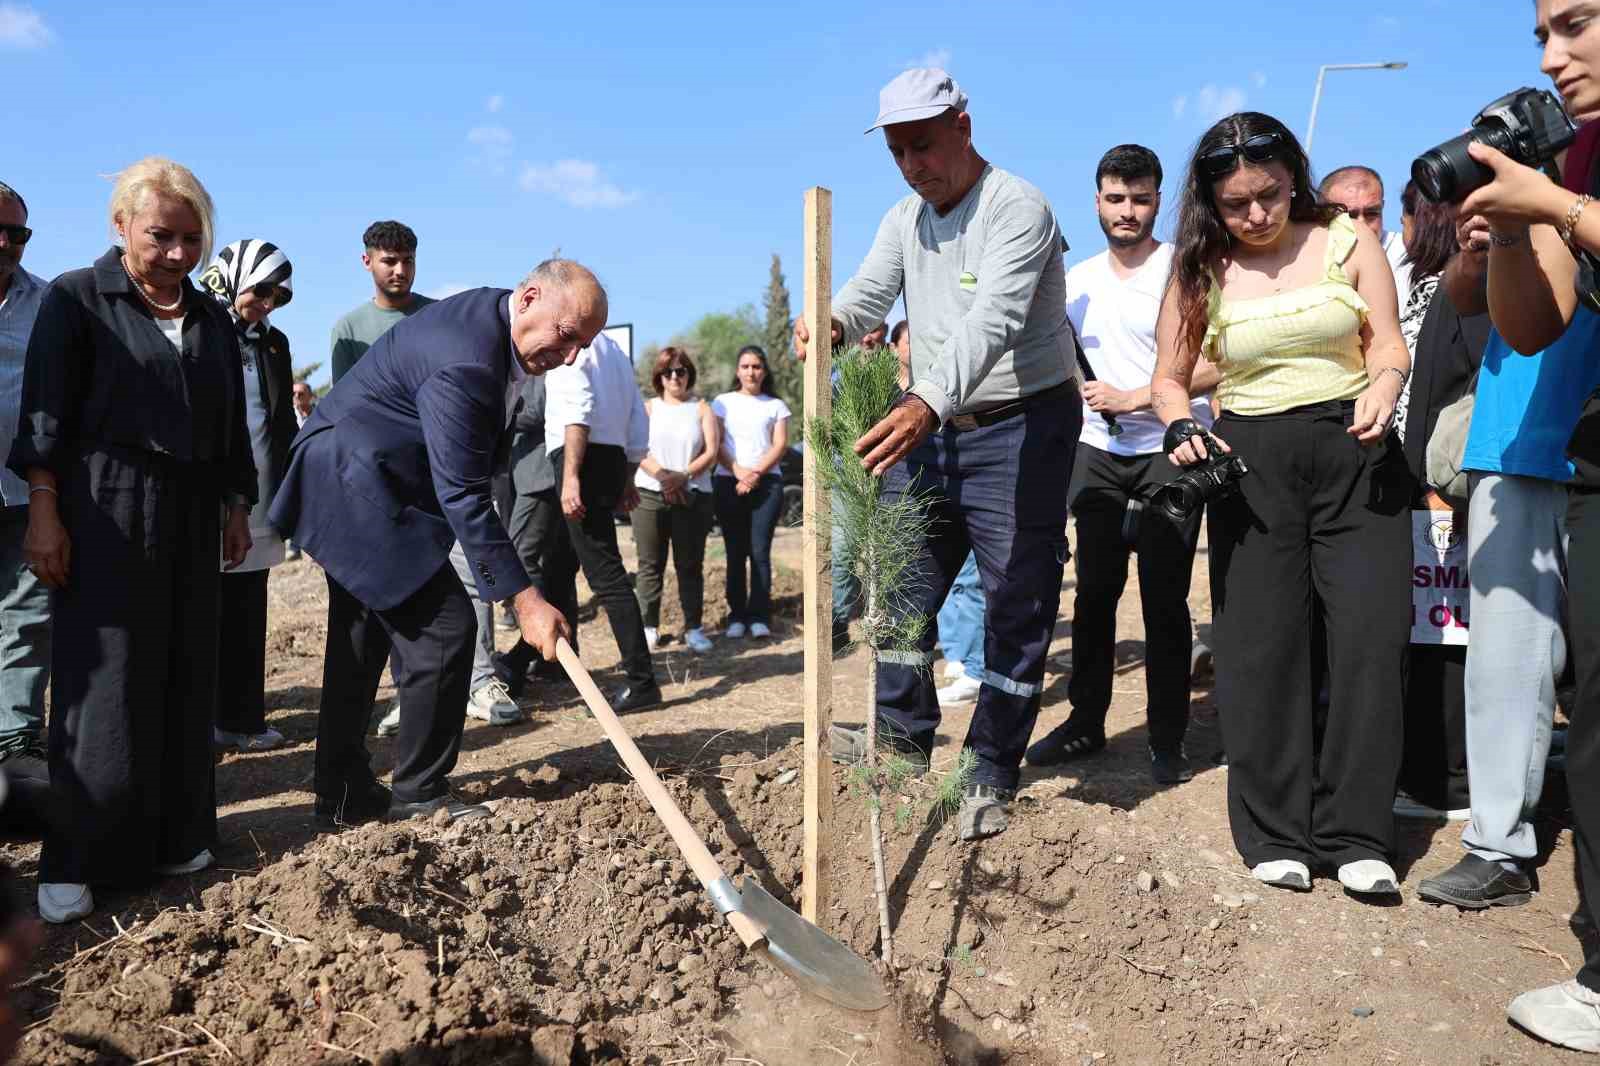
(674,482)
(749,489)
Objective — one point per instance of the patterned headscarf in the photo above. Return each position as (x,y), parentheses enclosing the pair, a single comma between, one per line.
(243,265)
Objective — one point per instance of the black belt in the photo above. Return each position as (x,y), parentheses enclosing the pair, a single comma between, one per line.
(989,416)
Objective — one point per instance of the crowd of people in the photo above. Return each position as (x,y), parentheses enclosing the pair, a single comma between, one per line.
(475,451)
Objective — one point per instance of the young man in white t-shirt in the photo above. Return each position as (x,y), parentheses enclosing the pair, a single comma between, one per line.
(1112,300)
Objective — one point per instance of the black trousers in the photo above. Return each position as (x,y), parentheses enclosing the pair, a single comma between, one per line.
(1318,516)
(539,533)
(1102,484)
(1583,734)
(1433,767)
(242,633)
(134,670)
(594,547)
(433,631)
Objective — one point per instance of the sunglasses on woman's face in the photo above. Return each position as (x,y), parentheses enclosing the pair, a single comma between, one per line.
(675,372)
(16,234)
(1220,162)
(277,294)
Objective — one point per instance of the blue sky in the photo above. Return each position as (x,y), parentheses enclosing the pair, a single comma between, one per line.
(668,145)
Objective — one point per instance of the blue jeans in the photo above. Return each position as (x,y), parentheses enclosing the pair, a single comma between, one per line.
(846,589)
(24,633)
(961,620)
(748,523)
(999,492)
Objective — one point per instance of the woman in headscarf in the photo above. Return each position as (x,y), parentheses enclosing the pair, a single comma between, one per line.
(251,279)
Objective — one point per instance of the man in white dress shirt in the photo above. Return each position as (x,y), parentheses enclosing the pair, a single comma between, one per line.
(596,431)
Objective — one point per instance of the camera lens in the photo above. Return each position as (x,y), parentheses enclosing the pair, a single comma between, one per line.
(1179,499)
(1446,174)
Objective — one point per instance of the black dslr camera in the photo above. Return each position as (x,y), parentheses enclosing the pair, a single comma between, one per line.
(1529,125)
(1214,477)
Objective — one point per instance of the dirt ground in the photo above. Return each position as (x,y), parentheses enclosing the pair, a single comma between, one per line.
(1112,923)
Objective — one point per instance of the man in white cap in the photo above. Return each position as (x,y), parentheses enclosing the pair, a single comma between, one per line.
(987,429)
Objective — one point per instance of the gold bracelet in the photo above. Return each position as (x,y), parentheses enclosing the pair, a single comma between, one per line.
(1570,223)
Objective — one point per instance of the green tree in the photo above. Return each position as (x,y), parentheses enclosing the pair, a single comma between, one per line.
(303,373)
(788,372)
(713,342)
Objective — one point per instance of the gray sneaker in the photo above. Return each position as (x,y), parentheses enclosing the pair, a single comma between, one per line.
(390,725)
(1567,1014)
(492,703)
(848,747)
(984,811)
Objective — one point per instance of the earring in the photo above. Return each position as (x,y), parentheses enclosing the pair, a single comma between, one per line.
(1293,193)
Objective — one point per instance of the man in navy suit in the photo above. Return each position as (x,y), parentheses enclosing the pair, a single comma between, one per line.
(392,469)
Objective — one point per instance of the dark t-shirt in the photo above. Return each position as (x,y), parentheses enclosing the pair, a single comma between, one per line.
(1582,174)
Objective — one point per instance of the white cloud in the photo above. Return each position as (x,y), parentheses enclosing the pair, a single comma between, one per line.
(443,291)
(22,27)
(1180,104)
(1259,80)
(494,103)
(1213,102)
(493,144)
(577,182)
(933,57)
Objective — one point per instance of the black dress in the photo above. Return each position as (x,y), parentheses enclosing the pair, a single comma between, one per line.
(148,446)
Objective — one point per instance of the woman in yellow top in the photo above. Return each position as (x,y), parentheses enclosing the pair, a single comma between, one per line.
(1295,306)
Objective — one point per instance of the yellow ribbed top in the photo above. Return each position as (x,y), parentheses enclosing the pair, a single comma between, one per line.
(1291,348)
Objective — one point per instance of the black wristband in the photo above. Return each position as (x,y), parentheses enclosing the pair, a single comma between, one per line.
(1179,431)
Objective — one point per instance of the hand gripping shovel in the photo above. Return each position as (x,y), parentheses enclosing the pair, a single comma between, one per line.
(817,962)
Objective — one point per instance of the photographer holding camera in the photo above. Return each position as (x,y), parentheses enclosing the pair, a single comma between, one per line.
(1295,306)
(1544,237)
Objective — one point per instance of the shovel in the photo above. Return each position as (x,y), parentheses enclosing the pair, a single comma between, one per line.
(817,962)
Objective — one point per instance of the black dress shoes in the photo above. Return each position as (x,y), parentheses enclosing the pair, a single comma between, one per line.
(635,697)
(1475,883)
(365,801)
(460,810)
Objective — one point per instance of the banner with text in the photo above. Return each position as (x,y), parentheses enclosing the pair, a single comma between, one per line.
(1439,592)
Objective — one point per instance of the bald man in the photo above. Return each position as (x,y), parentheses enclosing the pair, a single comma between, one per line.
(391,470)
(1360,190)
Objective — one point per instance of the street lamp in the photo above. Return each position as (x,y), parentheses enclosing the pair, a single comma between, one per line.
(1322,72)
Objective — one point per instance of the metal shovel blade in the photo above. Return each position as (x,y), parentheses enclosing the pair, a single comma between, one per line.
(818,963)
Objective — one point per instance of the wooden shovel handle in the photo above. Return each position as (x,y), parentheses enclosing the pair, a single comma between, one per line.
(694,850)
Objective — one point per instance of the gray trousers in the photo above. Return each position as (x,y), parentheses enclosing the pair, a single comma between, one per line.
(483,647)
(1517,562)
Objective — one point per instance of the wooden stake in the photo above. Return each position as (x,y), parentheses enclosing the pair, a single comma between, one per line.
(817,868)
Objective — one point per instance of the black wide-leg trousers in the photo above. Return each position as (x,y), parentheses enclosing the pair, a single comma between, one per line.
(1318,518)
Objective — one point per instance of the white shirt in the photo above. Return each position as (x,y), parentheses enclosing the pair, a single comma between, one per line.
(1394,249)
(598,391)
(1116,321)
(747,425)
(676,440)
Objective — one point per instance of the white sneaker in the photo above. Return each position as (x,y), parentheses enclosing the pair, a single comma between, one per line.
(390,726)
(759,629)
(192,866)
(62,903)
(492,703)
(698,642)
(1567,1014)
(1283,873)
(1369,877)
(734,631)
(266,740)
(1408,806)
(652,637)
(954,670)
(963,689)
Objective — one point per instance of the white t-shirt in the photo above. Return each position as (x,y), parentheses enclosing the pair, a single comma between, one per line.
(1116,321)
(747,424)
(1394,249)
(676,440)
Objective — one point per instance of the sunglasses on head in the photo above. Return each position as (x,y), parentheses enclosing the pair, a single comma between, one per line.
(277,293)
(16,234)
(675,372)
(1222,161)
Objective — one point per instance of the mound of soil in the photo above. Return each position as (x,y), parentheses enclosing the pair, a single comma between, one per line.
(566,929)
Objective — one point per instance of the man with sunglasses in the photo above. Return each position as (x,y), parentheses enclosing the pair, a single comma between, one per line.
(24,602)
(986,431)
(1360,190)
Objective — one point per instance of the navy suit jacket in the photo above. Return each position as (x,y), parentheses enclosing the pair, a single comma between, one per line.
(394,464)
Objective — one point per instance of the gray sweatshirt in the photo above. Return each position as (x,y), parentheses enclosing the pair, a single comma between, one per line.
(986,295)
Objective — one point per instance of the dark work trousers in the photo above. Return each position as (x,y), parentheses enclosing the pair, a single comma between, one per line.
(999,491)
(434,630)
(539,533)
(134,670)
(242,632)
(1433,768)
(593,538)
(1583,734)
(658,526)
(748,524)
(1318,516)
(1102,484)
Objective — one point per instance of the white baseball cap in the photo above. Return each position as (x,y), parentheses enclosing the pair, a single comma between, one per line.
(919,93)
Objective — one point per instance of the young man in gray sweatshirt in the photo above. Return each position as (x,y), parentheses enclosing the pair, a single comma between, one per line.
(987,429)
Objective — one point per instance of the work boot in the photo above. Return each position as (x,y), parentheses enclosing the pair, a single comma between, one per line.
(848,747)
(984,811)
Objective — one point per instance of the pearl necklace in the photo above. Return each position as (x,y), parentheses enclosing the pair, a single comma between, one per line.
(159,308)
